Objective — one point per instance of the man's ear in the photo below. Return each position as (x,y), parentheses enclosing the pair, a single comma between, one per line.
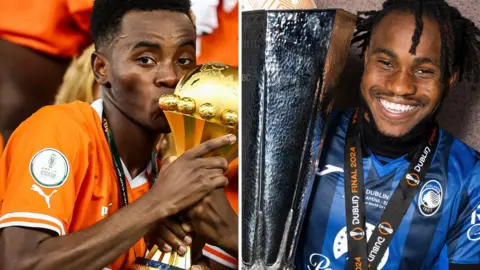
(452,79)
(100,67)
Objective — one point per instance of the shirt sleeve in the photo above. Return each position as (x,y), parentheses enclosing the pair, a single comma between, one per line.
(463,239)
(220,256)
(38,168)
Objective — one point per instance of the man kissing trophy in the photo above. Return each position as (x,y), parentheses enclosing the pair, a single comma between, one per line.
(203,106)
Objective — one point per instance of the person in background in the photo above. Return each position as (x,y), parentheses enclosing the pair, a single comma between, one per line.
(78,81)
(38,39)
(217,30)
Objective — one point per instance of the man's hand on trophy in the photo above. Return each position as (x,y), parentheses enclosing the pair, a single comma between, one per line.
(215,220)
(170,235)
(192,176)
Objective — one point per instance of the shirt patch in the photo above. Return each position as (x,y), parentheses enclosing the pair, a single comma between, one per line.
(430,198)
(49,168)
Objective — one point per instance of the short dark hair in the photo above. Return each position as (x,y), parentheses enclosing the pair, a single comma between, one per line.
(107,15)
(460,48)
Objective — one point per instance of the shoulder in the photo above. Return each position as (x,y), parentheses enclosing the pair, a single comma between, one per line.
(460,162)
(461,157)
(65,124)
(340,117)
(71,115)
(337,122)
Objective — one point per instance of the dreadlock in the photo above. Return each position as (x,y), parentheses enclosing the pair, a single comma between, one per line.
(460,48)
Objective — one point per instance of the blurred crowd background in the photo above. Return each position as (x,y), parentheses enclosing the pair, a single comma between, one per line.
(45,49)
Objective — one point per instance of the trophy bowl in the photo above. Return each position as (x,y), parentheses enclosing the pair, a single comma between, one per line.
(204,106)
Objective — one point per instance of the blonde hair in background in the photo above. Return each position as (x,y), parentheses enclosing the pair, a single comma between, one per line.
(78,81)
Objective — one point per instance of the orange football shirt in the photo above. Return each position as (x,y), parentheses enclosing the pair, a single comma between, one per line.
(232,189)
(56,27)
(62,179)
(1,144)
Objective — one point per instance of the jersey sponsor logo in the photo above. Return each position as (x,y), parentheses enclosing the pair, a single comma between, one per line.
(49,168)
(430,198)
(340,245)
(476,216)
(473,233)
(385,228)
(40,191)
(412,179)
(319,262)
(329,169)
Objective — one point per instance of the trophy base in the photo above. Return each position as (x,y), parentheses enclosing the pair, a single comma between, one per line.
(156,259)
(146,264)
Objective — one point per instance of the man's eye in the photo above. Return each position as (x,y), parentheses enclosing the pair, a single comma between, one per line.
(146,60)
(185,61)
(425,71)
(385,63)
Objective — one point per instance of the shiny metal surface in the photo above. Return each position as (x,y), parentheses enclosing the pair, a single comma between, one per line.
(288,77)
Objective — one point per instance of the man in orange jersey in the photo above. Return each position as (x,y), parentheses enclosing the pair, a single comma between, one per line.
(78,186)
(37,40)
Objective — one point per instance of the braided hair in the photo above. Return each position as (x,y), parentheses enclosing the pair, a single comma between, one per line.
(460,48)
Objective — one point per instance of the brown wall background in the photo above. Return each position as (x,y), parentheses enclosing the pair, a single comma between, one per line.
(461,110)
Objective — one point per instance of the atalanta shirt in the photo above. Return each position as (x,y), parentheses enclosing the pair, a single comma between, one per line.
(441,225)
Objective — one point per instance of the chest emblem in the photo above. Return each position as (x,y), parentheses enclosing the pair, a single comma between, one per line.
(430,198)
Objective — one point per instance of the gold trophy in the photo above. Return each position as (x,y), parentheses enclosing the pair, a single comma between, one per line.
(204,106)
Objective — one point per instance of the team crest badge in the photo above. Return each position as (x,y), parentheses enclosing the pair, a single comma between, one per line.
(430,198)
(49,168)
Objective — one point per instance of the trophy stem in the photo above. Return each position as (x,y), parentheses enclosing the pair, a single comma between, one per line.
(281,262)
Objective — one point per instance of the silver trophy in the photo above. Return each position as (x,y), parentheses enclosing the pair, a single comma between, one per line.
(291,64)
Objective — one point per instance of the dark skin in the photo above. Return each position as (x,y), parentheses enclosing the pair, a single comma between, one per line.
(215,221)
(212,219)
(149,63)
(394,75)
(25,88)
(132,84)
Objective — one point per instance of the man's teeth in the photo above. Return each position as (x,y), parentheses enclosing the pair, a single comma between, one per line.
(395,107)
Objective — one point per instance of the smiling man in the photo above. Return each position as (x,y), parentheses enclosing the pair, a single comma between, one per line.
(79,183)
(394,191)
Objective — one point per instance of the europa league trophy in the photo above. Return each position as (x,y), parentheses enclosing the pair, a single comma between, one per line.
(291,64)
(204,106)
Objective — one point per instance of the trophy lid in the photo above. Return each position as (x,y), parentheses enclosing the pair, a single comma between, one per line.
(210,92)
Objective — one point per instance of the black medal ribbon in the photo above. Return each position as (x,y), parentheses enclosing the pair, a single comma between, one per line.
(363,255)
(117,163)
